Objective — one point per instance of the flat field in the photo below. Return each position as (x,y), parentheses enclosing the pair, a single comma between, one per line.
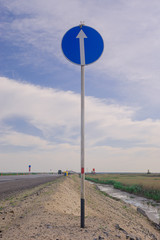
(147,185)
(148,181)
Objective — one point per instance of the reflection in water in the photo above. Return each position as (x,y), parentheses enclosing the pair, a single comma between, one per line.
(151,208)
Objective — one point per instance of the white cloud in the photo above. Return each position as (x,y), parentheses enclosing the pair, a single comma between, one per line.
(117,159)
(39,105)
(110,130)
(130,31)
(131,34)
(13,138)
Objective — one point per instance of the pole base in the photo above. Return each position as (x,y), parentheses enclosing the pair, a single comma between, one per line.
(82,213)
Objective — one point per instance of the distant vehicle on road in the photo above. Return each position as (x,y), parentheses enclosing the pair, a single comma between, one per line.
(59,171)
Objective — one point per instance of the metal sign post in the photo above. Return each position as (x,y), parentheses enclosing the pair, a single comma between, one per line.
(82,148)
(82,45)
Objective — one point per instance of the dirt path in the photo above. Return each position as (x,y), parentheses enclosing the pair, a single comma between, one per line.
(53,212)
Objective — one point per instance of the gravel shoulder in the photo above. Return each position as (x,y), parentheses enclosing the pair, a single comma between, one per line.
(52,211)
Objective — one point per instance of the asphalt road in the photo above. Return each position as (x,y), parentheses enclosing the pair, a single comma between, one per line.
(10,185)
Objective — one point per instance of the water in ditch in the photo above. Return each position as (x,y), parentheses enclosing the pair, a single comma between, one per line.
(150,207)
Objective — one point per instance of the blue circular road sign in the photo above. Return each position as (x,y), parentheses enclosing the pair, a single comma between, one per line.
(82,45)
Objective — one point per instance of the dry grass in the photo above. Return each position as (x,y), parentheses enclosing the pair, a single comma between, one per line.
(148,181)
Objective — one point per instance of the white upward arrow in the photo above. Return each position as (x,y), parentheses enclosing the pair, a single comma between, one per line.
(81,35)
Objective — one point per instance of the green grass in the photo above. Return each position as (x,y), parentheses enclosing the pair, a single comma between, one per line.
(131,184)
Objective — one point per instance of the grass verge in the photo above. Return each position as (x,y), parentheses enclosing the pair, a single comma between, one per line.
(134,189)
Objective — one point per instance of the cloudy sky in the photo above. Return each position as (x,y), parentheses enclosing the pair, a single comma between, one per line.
(40,89)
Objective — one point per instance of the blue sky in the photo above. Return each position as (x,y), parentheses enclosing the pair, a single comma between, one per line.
(40,89)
